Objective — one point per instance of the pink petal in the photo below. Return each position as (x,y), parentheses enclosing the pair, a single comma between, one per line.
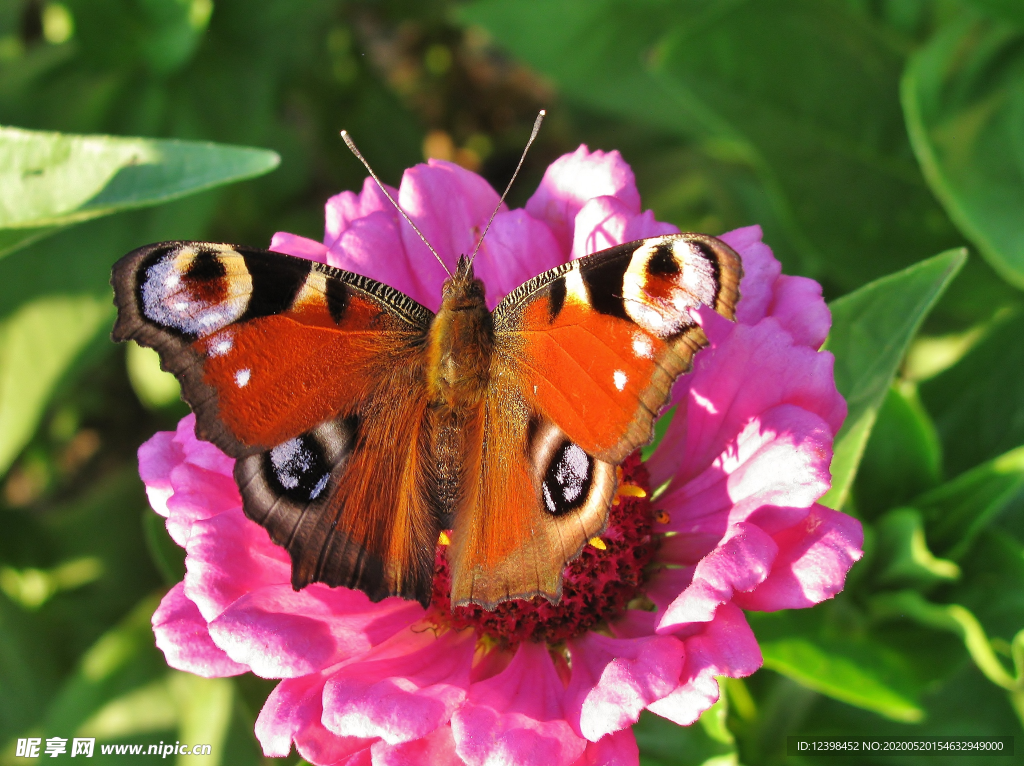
(450,205)
(614,679)
(435,749)
(517,248)
(665,584)
(201,453)
(573,179)
(760,270)
(229,556)
(516,717)
(616,749)
(343,209)
(281,633)
(798,306)
(157,458)
(182,635)
(775,469)
(292,714)
(814,557)
(403,689)
(373,246)
(300,247)
(604,222)
(742,561)
(198,494)
(754,369)
(726,647)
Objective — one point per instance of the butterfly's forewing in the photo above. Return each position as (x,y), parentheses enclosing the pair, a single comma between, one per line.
(584,360)
(600,341)
(287,364)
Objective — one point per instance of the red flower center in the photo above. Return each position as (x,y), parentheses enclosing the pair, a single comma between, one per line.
(596,586)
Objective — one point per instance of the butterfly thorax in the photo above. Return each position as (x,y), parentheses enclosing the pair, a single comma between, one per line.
(460,341)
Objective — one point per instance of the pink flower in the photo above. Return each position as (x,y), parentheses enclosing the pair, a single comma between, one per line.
(737,526)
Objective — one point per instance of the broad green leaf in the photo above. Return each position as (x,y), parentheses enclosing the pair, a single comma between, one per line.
(909,604)
(206,714)
(902,557)
(903,456)
(168,557)
(122,661)
(859,672)
(37,345)
(663,743)
(27,676)
(963,96)
(956,511)
(45,323)
(978,403)
(993,583)
(871,329)
(154,387)
(52,180)
(1009,10)
(802,91)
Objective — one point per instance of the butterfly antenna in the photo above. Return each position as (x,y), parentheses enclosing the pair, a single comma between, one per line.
(352,147)
(533,135)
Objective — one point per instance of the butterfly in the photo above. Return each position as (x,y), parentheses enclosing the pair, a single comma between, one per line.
(364,425)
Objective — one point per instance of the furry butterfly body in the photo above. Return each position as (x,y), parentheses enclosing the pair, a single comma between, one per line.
(363,425)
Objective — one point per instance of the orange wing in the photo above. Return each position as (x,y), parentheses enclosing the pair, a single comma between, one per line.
(597,343)
(584,360)
(314,379)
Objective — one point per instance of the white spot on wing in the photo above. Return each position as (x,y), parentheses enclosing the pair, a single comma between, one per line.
(642,346)
(620,379)
(242,377)
(222,344)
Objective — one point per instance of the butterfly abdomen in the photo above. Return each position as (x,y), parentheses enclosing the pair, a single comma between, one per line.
(459,345)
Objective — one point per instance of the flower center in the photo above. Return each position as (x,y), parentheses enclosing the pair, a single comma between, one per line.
(596,586)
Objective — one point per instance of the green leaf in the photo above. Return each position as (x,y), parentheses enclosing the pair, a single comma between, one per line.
(993,583)
(168,557)
(978,403)
(948,617)
(123,660)
(859,672)
(956,511)
(37,345)
(663,743)
(1010,10)
(52,180)
(802,91)
(902,556)
(871,329)
(963,96)
(154,387)
(903,456)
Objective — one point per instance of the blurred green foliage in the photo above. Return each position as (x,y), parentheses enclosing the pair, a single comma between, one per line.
(866,136)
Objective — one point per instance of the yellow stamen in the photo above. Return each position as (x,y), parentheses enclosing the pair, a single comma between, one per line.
(444,539)
(625,490)
(632,490)
(662,517)
(598,543)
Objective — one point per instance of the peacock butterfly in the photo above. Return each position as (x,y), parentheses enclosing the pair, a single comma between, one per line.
(363,425)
